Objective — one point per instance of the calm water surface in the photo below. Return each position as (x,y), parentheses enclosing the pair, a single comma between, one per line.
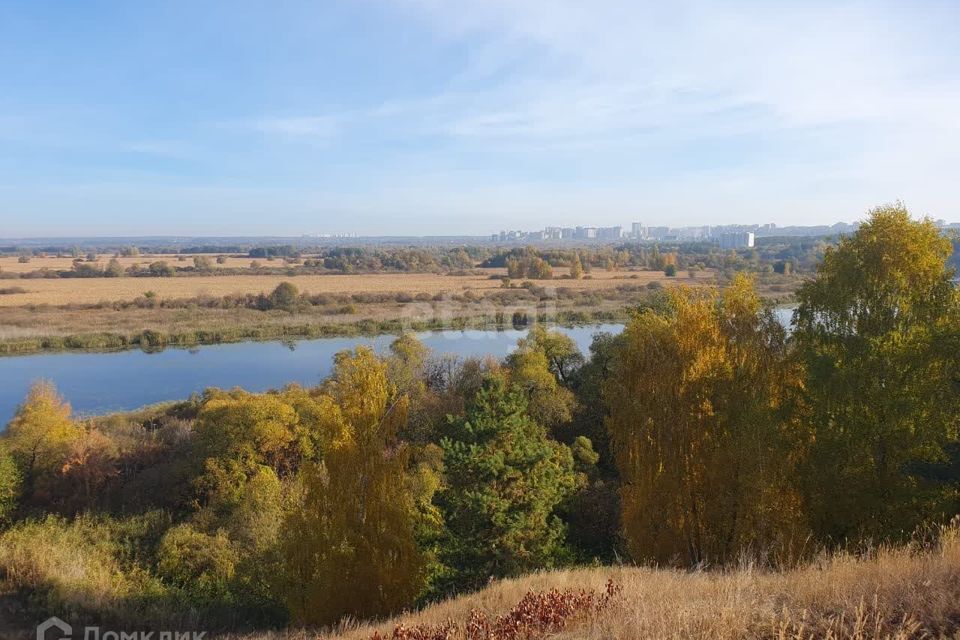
(96,383)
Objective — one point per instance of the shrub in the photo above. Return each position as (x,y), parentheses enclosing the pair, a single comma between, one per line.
(538,614)
(114,269)
(200,564)
(150,339)
(285,296)
(67,567)
(9,485)
(6,291)
(160,269)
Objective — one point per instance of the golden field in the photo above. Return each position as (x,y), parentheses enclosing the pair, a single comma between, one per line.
(11,264)
(891,593)
(64,291)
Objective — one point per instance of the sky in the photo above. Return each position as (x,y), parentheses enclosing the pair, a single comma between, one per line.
(426,117)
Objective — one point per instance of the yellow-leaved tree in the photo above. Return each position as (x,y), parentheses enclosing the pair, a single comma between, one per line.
(41,435)
(576,267)
(541,362)
(699,421)
(349,549)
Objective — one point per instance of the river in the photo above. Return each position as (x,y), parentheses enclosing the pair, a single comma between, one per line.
(98,383)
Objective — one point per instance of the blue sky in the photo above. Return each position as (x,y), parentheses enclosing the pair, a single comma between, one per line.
(431,117)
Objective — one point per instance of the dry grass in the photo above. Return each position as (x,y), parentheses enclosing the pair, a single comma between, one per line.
(19,323)
(11,264)
(93,290)
(892,593)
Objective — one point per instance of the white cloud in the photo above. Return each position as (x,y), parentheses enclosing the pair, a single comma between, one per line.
(628,64)
(298,126)
(565,72)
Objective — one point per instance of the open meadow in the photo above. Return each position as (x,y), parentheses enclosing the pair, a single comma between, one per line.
(13,264)
(51,314)
(68,291)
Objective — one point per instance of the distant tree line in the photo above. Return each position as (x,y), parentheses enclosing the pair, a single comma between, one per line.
(771,256)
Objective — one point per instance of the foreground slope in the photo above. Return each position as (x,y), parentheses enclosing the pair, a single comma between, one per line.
(886,593)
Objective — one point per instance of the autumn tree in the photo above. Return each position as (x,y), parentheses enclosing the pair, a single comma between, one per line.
(878,330)
(504,481)
(515,269)
(542,366)
(91,462)
(236,433)
(114,269)
(576,267)
(534,368)
(408,374)
(563,355)
(246,451)
(349,548)
(9,485)
(41,434)
(529,266)
(541,269)
(242,438)
(699,398)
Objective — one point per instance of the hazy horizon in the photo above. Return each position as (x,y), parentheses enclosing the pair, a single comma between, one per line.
(431,118)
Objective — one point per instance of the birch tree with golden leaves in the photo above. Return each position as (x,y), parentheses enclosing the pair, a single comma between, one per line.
(41,435)
(699,422)
(349,549)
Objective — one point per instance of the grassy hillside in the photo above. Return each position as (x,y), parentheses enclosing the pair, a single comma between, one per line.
(905,592)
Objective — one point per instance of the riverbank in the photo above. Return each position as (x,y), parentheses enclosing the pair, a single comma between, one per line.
(152,340)
(153,322)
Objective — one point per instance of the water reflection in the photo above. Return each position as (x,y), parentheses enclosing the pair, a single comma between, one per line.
(96,383)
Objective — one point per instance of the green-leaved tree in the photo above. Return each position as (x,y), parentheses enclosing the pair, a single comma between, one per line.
(878,329)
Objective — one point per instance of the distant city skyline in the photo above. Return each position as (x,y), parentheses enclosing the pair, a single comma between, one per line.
(586,232)
(433,117)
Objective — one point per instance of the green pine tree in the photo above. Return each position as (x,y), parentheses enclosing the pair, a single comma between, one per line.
(505,478)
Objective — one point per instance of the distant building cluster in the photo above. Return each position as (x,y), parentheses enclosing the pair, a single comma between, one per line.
(727,236)
(637,231)
(736,240)
(561,233)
